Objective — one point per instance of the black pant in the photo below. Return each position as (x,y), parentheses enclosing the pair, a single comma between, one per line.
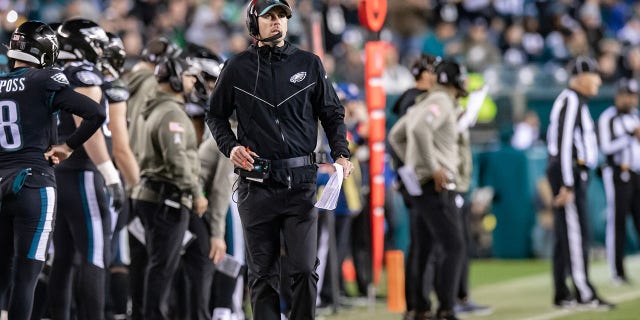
(265,211)
(361,250)
(25,225)
(83,228)
(438,214)
(571,244)
(199,269)
(622,189)
(464,210)
(164,230)
(137,269)
(419,268)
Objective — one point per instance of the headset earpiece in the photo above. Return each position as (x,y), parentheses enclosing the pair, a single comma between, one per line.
(170,71)
(175,78)
(252,20)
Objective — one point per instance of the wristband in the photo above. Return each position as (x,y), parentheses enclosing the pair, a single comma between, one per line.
(109,173)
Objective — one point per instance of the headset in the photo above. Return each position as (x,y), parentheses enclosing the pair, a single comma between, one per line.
(170,70)
(252,22)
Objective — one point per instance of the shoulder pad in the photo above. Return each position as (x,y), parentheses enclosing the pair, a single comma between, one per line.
(115,83)
(116,94)
(87,78)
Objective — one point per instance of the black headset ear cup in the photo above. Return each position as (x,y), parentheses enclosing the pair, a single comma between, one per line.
(252,21)
(175,76)
(170,71)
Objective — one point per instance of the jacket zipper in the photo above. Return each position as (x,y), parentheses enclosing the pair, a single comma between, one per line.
(273,80)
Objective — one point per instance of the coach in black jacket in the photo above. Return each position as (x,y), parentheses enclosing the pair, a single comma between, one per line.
(278,93)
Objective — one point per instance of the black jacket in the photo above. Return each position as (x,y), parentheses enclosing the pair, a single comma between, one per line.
(278,100)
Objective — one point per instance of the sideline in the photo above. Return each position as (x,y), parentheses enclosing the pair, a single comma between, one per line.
(529,298)
(627,296)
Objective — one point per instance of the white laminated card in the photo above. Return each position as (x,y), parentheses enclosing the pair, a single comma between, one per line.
(329,198)
(410,180)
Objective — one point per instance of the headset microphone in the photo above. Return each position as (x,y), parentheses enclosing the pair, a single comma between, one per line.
(273,37)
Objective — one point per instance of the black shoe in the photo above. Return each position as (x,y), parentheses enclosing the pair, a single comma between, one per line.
(597,304)
(423,315)
(565,304)
(447,315)
(469,307)
(408,315)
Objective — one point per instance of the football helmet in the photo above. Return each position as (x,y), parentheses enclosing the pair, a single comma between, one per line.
(114,55)
(34,42)
(83,39)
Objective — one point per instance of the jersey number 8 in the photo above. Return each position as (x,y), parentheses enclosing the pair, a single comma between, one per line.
(9,128)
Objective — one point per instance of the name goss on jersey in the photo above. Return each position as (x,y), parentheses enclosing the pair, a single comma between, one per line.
(12,85)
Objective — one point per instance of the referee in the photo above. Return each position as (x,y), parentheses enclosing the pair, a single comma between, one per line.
(573,149)
(619,133)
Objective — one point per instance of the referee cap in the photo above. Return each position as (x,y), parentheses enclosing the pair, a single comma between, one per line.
(583,64)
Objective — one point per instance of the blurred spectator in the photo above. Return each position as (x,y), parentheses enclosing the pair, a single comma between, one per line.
(526,132)
(442,40)
(630,33)
(577,43)
(396,78)
(349,58)
(210,27)
(238,42)
(334,22)
(513,51)
(478,53)
(615,14)
(631,63)
(590,18)
(532,40)
(408,21)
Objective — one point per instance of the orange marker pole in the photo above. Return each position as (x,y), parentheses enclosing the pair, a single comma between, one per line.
(372,14)
(375,98)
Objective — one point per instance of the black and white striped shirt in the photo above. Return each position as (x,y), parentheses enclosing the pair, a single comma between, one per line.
(571,137)
(617,143)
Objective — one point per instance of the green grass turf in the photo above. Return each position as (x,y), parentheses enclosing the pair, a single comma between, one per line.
(521,289)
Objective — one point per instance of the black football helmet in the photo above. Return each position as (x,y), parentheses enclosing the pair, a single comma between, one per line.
(34,42)
(83,39)
(160,49)
(206,66)
(209,62)
(114,55)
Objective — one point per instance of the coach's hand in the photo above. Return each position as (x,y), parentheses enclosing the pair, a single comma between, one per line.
(347,166)
(242,157)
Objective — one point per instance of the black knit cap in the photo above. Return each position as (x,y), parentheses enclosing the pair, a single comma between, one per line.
(627,85)
(583,64)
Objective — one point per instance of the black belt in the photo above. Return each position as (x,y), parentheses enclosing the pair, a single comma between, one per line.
(160,187)
(301,161)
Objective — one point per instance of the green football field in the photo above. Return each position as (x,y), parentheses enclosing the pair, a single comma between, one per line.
(521,289)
